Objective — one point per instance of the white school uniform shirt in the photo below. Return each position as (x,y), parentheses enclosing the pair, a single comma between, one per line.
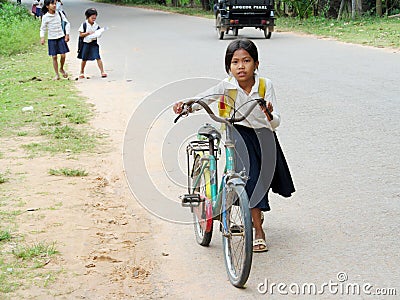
(89,28)
(257,118)
(52,23)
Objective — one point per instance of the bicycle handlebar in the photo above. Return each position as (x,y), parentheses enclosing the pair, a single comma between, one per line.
(188,105)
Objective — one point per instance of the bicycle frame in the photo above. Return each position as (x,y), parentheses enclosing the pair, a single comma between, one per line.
(229,204)
(215,197)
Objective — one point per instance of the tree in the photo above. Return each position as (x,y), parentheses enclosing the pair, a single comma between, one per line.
(379,8)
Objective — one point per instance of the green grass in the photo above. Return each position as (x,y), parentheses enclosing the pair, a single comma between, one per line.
(18,29)
(377,32)
(5,235)
(59,114)
(16,267)
(3,178)
(68,172)
(36,251)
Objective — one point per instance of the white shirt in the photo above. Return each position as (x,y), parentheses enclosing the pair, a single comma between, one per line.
(52,23)
(89,28)
(257,118)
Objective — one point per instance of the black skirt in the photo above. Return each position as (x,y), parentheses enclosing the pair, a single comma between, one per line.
(282,182)
(258,152)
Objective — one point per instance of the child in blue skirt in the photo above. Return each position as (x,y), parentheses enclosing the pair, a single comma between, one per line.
(90,47)
(57,39)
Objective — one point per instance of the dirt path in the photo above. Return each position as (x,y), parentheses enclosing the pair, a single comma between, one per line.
(102,234)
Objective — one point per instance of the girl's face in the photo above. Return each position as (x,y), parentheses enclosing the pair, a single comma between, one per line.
(243,66)
(52,7)
(92,19)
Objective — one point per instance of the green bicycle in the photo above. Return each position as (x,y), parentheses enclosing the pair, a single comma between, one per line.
(228,204)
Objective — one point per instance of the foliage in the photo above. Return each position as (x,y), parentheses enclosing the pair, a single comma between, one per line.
(377,32)
(68,172)
(172,3)
(5,235)
(18,29)
(301,8)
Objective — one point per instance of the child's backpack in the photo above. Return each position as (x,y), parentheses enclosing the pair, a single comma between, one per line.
(80,39)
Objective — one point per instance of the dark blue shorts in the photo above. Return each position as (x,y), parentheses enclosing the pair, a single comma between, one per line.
(38,12)
(90,51)
(58,46)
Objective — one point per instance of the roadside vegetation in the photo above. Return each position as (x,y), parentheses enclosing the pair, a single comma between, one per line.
(45,118)
(370,26)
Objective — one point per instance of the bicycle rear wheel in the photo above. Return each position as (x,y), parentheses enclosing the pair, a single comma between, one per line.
(203,225)
(237,237)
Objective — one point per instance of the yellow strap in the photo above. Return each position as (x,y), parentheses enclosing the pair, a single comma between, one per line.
(227,101)
(261,87)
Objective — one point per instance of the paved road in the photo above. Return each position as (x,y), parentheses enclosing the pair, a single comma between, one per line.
(340,107)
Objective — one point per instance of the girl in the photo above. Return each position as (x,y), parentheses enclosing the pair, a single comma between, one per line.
(39,6)
(57,40)
(258,152)
(90,48)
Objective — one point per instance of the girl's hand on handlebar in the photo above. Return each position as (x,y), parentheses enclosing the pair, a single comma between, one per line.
(268,108)
(178,107)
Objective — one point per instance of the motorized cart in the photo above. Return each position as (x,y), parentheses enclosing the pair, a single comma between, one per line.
(237,14)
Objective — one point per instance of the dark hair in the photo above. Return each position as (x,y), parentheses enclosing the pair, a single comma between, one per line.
(244,44)
(45,4)
(90,12)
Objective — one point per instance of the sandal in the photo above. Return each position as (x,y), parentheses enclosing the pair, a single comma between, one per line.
(82,76)
(103,75)
(259,245)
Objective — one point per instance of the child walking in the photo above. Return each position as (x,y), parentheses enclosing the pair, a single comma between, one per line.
(258,150)
(39,8)
(90,48)
(57,39)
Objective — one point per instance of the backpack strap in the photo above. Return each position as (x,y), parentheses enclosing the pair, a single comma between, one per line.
(62,22)
(227,101)
(261,87)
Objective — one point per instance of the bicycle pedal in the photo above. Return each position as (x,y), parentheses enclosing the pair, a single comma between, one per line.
(191,200)
(237,229)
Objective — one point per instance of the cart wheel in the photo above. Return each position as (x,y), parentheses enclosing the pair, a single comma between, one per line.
(267,33)
(235,31)
(218,27)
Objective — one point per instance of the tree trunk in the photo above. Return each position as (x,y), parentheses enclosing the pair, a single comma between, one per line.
(359,10)
(205,5)
(379,8)
(341,9)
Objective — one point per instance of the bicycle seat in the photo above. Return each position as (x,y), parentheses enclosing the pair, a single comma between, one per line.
(208,131)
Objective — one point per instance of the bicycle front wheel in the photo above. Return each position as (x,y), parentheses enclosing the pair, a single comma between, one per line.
(237,237)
